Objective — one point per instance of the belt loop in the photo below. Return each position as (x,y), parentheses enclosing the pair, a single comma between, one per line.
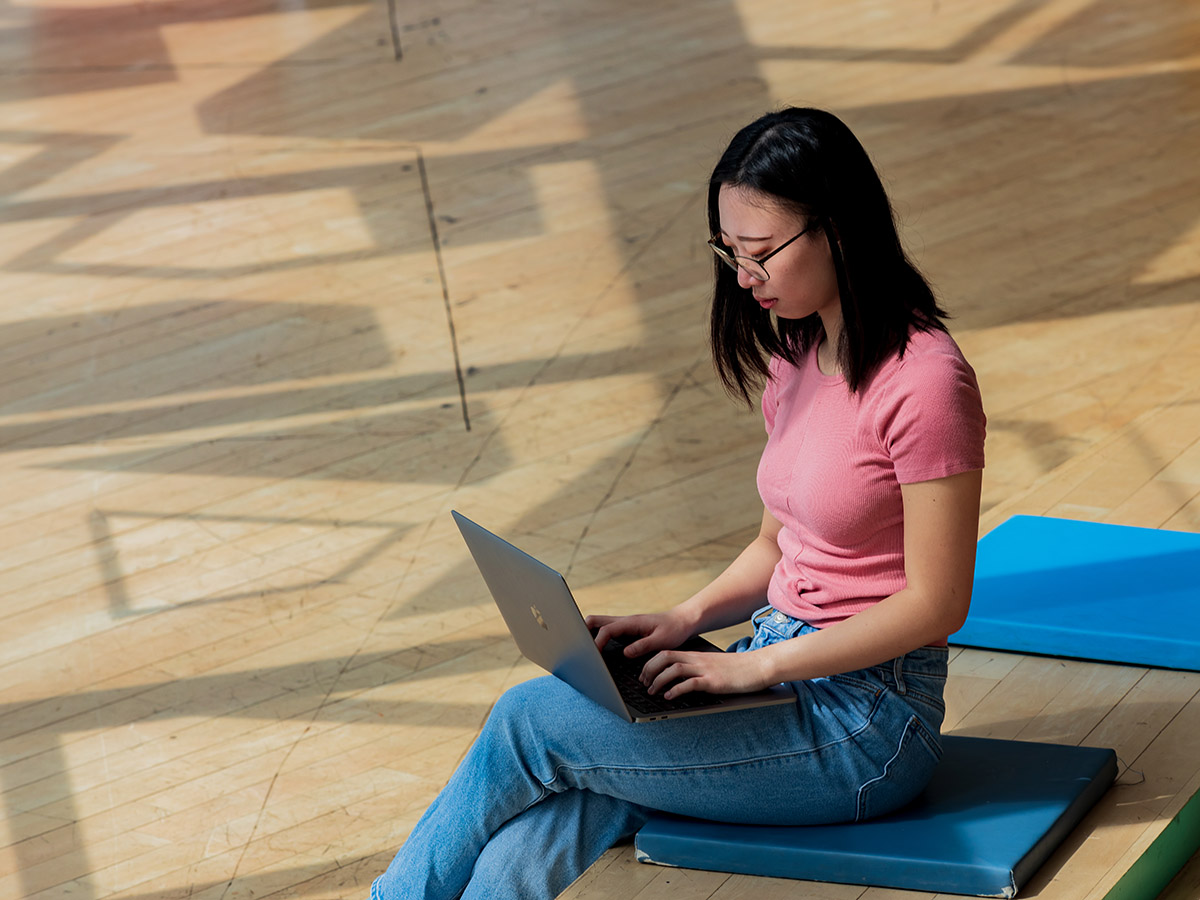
(898,674)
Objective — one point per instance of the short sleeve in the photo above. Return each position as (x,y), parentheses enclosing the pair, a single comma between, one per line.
(933,424)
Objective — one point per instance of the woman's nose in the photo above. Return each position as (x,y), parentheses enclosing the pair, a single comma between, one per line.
(746,280)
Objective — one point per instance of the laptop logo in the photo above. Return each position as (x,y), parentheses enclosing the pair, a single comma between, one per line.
(537,615)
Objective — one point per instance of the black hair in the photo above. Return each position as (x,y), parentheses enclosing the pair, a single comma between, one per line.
(812,164)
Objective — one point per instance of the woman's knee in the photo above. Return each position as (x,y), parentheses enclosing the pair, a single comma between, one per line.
(536,711)
(547,723)
(546,699)
(527,701)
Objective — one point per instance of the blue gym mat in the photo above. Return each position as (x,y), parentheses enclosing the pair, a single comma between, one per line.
(993,813)
(1111,593)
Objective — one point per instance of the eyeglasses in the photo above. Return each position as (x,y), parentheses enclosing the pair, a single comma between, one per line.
(755,268)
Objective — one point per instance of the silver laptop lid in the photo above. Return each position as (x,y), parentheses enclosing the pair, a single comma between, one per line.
(541,614)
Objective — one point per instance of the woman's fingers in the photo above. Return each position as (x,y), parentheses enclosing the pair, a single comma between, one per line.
(681,679)
(617,626)
(650,641)
(667,668)
(602,625)
(652,632)
(675,672)
(597,622)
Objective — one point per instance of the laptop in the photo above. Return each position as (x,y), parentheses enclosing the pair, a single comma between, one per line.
(549,630)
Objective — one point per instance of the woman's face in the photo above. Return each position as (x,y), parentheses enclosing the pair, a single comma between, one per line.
(802,278)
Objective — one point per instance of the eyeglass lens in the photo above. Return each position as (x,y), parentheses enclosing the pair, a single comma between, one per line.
(752,267)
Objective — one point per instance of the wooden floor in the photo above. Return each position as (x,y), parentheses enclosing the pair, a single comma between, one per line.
(284,282)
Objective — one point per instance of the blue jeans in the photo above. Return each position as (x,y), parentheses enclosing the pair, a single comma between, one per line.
(554,780)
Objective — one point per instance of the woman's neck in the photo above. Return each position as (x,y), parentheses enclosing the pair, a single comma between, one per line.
(827,350)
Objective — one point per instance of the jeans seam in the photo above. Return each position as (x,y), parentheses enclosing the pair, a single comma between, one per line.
(761,615)
(938,703)
(546,791)
(859,683)
(911,729)
(734,764)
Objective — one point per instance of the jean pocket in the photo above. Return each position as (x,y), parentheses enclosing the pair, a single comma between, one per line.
(904,775)
(772,626)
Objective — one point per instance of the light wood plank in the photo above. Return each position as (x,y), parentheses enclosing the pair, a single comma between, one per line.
(241,645)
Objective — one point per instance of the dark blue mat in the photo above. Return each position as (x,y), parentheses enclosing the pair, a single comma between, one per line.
(1111,593)
(992,815)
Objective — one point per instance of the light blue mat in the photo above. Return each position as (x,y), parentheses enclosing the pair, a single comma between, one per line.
(1111,593)
(993,813)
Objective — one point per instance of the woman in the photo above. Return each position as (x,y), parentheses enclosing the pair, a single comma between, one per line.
(870,483)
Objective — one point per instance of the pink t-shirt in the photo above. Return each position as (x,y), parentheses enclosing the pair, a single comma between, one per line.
(834,462)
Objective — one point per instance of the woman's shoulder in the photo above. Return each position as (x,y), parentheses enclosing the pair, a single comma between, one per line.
(931,415)
(935,342)
(932,354)
(932,376)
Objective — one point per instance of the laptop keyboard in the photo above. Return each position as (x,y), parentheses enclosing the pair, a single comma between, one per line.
(626,672)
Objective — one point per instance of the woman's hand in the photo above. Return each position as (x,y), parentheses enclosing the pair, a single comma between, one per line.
(656,631)
(717,673)
(729,599)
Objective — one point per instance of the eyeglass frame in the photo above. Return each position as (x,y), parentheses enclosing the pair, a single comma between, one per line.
(731,260)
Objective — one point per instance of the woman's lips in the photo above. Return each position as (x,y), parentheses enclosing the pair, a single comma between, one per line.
(765,302)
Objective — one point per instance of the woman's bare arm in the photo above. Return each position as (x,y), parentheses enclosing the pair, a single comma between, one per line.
(728,599)
(941,523)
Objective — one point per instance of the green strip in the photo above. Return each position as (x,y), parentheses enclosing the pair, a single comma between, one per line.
(1168,854)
